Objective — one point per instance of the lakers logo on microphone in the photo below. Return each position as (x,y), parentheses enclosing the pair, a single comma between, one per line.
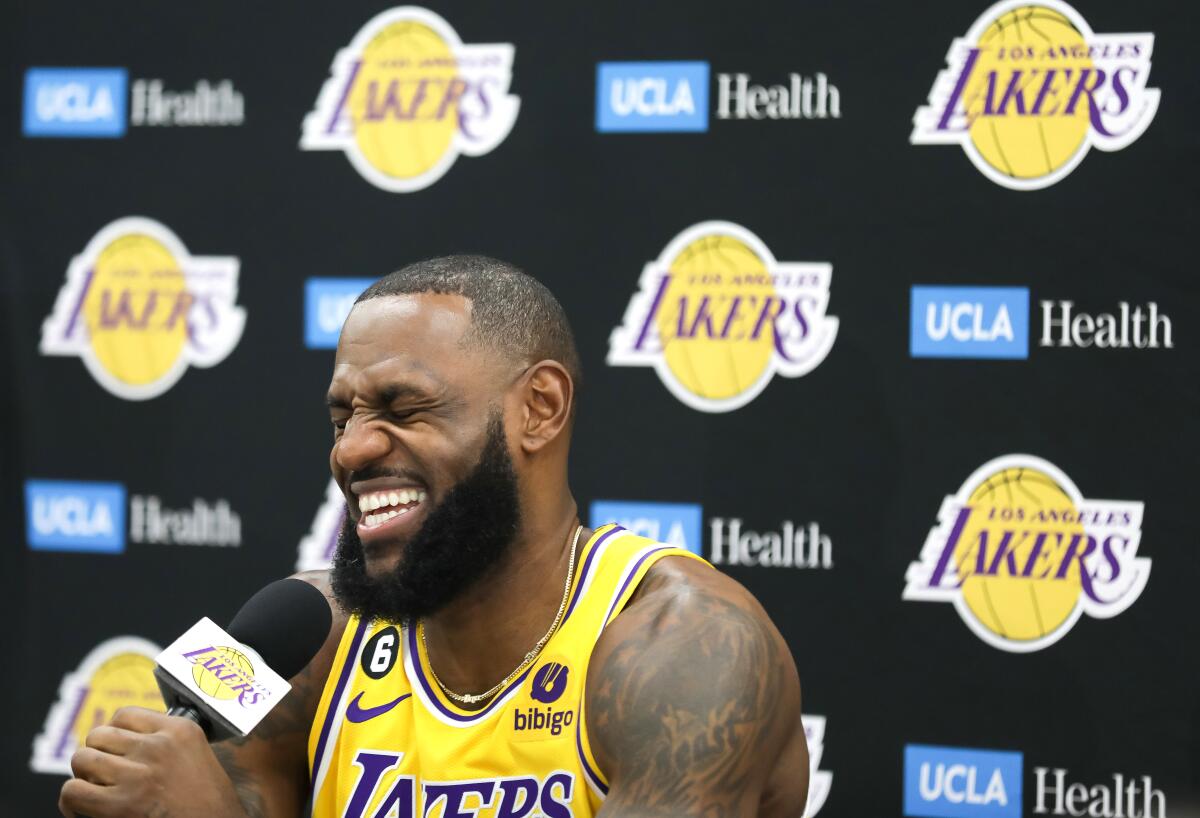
(1031,88)
(117,673)
(407,97)
(226,673)
(1022,555)
(138,308)
(717,317)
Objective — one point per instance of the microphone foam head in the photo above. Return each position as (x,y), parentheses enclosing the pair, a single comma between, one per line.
(286,623)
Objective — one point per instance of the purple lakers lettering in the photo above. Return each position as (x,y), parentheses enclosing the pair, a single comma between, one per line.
(1016,551)
(509,797)
(728,317)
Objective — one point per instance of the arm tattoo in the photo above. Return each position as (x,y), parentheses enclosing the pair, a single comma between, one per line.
(243,782)
(685,706)
(289,721)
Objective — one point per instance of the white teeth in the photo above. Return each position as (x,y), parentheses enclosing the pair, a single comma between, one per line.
(383,499)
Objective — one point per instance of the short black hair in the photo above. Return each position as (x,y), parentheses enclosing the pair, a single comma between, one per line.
(511,311)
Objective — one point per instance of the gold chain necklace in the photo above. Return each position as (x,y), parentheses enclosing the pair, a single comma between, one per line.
(469,698)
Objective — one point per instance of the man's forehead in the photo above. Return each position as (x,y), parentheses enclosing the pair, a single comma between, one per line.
(415,319)
(418,337)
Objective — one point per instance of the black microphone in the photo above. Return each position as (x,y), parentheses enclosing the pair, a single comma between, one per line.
(284,625)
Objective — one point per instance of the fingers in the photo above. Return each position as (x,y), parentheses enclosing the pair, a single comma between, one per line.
(114,740)
(139,720)
(101,768)
(79,797)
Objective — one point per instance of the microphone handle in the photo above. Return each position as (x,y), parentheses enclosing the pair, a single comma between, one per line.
(191,713)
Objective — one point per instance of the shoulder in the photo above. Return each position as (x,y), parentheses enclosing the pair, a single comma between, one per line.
(680,598)
(689,684)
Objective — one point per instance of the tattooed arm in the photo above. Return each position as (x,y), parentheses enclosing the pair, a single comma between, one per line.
(693,703)
(269,768)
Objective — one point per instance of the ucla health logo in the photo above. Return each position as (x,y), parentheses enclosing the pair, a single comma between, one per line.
(955,782)
(1031,88)
(327,302)
(87,102)
(91,102)
(969,322)
(717,317)
(406,98)
(1022,555)
(677,524)
(138,308)
(65,515)
(651,96)
(118,672)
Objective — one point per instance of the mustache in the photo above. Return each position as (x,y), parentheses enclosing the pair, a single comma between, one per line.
(371,472)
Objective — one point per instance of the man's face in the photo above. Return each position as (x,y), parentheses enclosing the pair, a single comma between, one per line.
(420,454)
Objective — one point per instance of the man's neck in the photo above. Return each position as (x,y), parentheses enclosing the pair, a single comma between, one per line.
(483,635)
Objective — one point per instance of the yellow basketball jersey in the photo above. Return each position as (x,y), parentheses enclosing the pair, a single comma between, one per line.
(387,743)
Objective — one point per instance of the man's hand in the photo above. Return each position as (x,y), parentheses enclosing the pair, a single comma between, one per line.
(148,764)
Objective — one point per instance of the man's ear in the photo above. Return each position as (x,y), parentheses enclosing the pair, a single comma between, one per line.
(547,395)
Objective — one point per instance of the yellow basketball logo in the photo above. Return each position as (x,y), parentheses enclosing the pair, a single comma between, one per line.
(138,309)
(407,97)
(117,673)
(717,316)
(1031,88)
(222,672)
(1022,555)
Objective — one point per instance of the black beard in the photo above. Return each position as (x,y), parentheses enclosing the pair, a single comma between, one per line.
(464,536)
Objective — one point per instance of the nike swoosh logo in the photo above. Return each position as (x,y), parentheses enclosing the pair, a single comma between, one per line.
(358,714)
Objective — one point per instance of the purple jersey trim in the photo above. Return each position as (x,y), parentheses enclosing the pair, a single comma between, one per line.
(351,658)
(592,775)
(628,579)
(587,566)
(419,663)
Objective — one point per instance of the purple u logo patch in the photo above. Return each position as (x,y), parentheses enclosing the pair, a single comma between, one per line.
(549,683)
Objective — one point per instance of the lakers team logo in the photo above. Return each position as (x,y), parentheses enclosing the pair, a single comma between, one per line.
(407,97)
(717,317)
(139,309)
(225,673)
(1031,88)
(819,781)
(318,546)
(1022,554)
(117,673)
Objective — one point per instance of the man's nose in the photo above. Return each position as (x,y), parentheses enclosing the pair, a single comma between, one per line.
(362,442)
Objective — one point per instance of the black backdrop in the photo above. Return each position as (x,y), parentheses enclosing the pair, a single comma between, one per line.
(868,444)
